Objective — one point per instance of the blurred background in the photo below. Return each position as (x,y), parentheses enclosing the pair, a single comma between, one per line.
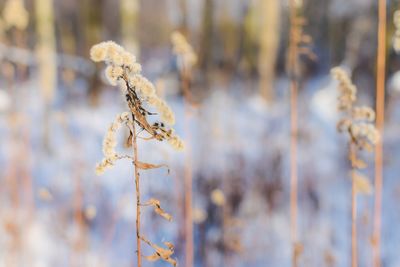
(56,106)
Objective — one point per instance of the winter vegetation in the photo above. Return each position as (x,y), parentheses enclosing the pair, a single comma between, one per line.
(199,133)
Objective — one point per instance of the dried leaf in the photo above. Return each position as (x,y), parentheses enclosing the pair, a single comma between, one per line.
(161,253)
(169,245)
(148,166)
(157,208)
(359,164)
(361,183)
(153,257)
(129,140)
(356,162)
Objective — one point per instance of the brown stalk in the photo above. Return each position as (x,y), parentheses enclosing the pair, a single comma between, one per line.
(354,253)
(188,179)
(380,108)
(137,180)
(293,62)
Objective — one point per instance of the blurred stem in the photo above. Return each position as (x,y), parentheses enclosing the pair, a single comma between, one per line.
(354,253)
(47,61)
(292,68)
(137,180)
(184,19)
(269,45)
(380,109)
(188,179)
(129,10)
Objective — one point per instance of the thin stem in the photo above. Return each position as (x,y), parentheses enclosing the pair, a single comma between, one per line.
(353,225)
(137,180)
(293,61)
(188,179)
(354,254)
(380,108)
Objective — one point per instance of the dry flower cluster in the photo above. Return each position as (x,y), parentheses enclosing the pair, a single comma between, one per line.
(15,15)
(161,253)
(183,50)
(123,70)
(110,142)
(300,44)
(357,121)
(358,124)
(396,37)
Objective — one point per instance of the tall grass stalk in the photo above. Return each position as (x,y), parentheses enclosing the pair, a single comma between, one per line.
(299,43)
(358,123)
(186,58)
(380,117)
(137,188)
(140,94)
(293,65)
(188,186)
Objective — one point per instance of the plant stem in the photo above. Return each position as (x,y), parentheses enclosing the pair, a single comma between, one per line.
(188,179)
(380,109)
(293,61)
(137,180)
(353,225)
(354,256)
(354,253)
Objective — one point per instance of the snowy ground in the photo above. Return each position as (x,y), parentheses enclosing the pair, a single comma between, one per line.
(240,144)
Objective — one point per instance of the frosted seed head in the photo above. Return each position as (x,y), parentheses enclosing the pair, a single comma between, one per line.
(98,52)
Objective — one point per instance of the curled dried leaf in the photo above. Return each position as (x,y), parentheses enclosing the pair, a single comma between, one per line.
(153,257)
(169,245)
(157,208)
(148,166)
(160,252)
(356,162)
(361,183)
(129,140)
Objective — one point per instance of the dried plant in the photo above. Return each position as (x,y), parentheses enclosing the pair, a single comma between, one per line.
(299,44)
(231,226)
(380,118)
(15,15)
(357,122)
(186,59)
(140,94)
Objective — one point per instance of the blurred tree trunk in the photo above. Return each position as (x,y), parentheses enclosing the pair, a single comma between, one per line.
(248,39)
(269,45)
(46,57)
(154,31)
(91,19)
(129,24)
(183,27)
(228,36)
(207,35)
(66,23)
(46,48)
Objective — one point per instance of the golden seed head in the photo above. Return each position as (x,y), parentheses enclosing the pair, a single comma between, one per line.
(218,197)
